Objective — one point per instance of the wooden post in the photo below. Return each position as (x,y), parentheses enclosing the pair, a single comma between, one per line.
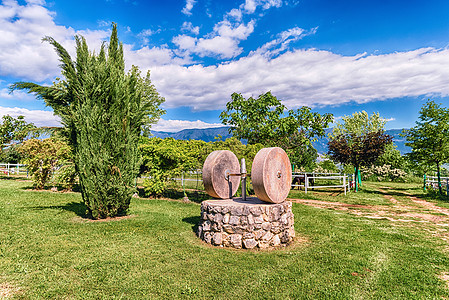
(344,183)
(7,168)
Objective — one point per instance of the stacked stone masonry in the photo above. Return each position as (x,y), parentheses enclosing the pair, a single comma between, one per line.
(246,224)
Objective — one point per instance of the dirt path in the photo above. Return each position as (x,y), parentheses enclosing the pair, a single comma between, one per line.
(400,211)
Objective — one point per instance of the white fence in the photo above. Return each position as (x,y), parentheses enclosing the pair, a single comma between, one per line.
(341,181)
(432,181)
(15,169)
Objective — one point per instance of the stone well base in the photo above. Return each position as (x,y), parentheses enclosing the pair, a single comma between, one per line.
(246,224)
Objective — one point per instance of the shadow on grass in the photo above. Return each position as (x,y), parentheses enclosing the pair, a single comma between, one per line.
(18,178)
(194,221)
(79,208)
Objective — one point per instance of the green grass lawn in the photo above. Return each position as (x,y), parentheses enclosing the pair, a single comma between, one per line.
(47,250)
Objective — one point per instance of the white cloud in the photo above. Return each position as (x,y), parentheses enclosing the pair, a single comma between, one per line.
(187,10)
(178,125)
(281,43)
(22,53)
(222,42)
(188,26)
(308,77)
(38,117)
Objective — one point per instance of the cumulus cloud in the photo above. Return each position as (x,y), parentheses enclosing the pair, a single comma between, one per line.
(38,117)
(22,53)
(188,26)
(187,10)
(178,125)
(222,42)
(308,77)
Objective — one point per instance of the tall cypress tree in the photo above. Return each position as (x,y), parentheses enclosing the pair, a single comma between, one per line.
(104,110)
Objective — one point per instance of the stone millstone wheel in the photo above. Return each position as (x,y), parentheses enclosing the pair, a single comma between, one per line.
(215,167)
(271,175)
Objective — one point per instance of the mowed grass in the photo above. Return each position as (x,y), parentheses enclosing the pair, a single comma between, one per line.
(48,251)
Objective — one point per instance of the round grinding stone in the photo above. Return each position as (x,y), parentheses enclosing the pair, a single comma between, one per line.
(216,166)
(271,175)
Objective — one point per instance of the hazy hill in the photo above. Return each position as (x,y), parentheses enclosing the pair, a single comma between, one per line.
(209,134)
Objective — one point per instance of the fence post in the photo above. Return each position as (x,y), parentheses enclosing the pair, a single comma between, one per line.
(424,182)
(306,182)
(7,168)
(447,187)
(344,184)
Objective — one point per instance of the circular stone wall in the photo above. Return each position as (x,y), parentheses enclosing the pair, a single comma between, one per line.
(246,224)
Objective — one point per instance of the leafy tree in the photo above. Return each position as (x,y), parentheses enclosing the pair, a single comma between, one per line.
(164,159)
(267,121)
(42,157)
(104,111)
(14,130)
(359,140)
(429,139)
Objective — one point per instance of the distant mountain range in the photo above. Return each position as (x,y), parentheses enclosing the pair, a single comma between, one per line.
(210,134)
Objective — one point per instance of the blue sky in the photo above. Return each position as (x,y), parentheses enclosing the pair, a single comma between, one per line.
(334,56)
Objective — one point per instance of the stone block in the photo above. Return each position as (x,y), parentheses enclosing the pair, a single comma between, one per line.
(226,218)
(275,241)
(258,220)
(249,243)
(234,220)
(236,240)
(206,225)
(267,236)
(217,238)
(266,226)
(229,229)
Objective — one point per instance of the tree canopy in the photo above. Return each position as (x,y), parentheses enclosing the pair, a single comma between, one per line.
(267,121)
(429,139)
(359,140)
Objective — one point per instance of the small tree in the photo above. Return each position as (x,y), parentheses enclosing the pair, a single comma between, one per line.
(359,140)
(267,121)
(14,130)
(104,110)
(42,157)
(429,139)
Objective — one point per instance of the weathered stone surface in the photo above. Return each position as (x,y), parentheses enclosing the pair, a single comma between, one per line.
(275,241)
(246,224)
(267,236)
(217,238)
(234,220)
(236,240)
(227,216)
(249,243)
(266,226)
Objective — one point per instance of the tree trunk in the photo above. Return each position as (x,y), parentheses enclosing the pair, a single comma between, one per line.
(439,179)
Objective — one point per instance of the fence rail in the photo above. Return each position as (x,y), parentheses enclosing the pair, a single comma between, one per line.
(432,181)
(16,169)
(345,181)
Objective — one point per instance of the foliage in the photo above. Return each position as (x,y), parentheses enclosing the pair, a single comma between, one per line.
(267,121)
(326,166)
(14,130)
(103,110)
(358,140)
(42,157)
(392,156)
(168,158)
(358,124)
(164,159)
(384,173)
(429,139)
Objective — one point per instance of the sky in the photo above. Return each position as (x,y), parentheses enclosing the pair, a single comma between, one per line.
(336,57)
